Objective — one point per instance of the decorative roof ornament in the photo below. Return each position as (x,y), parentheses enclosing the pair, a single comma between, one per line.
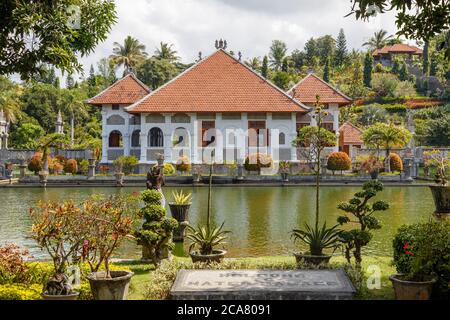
(200,56)
(240,55)
(221,44)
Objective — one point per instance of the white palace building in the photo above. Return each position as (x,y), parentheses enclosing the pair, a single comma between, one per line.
(219,103)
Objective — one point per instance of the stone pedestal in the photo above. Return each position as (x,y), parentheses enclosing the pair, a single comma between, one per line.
(407,169)
(240,172)
(262,285)
(22,170)
(91,168)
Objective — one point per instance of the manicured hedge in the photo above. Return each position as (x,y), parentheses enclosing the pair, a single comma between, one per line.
(396,162)
(339,161)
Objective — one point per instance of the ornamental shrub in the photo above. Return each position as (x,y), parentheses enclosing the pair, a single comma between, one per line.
(396,162)
(256,161)
(35,164)
(169,169)
(84,166)
(339,161)
(126,164)
(183,164)
(19,291)
(155,235)
(71,166)
(422,250)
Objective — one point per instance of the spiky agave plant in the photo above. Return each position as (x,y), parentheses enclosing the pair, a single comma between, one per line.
(180,198)
(318,239)
(205,238)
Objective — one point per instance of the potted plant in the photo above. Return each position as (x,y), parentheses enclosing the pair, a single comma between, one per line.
(441,190)
(56,229)
(119,174)
(372,166)
(422,259)
(205,238)
(155,235)
(179,208)
(284,170)
(55,140)
(107,222)
(318,239)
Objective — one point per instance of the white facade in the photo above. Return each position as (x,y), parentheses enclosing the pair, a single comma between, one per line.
(148,134)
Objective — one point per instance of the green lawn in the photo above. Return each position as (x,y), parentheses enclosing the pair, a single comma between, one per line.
(144,274)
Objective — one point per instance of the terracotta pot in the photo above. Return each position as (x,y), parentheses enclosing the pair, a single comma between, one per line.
(216,256)
(441,196)
(114,288)
(411,290)
(73,296)
(312,259)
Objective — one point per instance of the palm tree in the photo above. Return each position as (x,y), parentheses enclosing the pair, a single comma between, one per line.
(166,52)
(378,40)
(277,54)
(254,63)
(129,54)
(48,142)
(73,102)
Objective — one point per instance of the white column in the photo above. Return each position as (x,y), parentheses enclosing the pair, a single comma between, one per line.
(219,139)
(336,125)
(105,137)
(167,132)
(143,137)
(126,144)
(194,138)
(293,136)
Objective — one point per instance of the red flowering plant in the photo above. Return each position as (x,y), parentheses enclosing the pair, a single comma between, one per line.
(57,229)
(13,266)
(107,222)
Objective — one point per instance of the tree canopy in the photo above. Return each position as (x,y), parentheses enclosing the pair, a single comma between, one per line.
(35,33)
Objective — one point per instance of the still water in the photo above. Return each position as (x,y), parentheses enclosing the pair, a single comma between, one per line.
(260,218)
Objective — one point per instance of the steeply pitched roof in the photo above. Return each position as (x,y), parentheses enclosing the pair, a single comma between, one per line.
(311,86)
(127,90)
(218,83)
(350,134)
(398,48)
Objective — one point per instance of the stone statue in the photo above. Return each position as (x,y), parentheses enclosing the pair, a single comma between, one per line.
(155,181)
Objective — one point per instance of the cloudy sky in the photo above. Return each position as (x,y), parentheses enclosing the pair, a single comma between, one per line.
(249,26)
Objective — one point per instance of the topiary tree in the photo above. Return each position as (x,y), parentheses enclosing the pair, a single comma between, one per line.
(183,164)
(155,235)
(126,164)
(339,161)
(358,207)
(368,67)
(71,166)
(35,164)
(256,161)
(396,162)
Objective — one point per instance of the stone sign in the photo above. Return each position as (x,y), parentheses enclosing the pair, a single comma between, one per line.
(262,284)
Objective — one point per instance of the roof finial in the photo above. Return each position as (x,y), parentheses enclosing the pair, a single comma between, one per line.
(240,55)
(200,56)
(221,44)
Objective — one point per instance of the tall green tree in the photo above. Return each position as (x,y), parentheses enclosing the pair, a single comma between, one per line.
(129,54)
(326,71)
(165,52)
(298,59)
(326,48)
(265,67)
(386,136)
(311,51)
(35,33)
(403,74)
(368,67)
(378,40)
(156,72)
(425,59)
(25,136)
(277,53)
(434,64)
(341,49)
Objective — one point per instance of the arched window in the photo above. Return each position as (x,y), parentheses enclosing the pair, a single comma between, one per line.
(135,120)
(136,139)
(181,137)
(155,138)
(282,138)
(115,139)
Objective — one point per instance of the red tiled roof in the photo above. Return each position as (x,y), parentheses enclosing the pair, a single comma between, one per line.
(311,86)
(398,48)
(218,83)
(350,134)
(127,90)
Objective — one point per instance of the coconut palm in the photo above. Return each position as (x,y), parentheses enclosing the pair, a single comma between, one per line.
(277,54)
(253,63)
(378,40)
(166,52)
(129,54)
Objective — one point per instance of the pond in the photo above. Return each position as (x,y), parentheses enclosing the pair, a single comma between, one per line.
(260,218)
